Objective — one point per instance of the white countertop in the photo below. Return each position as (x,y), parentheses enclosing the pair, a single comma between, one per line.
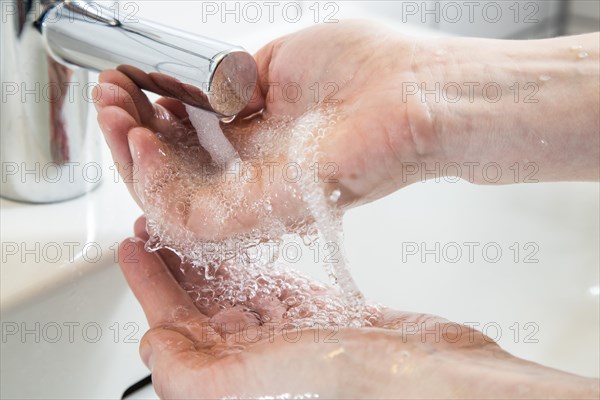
(45,246)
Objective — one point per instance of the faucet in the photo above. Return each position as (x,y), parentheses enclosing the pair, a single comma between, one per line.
(48,46)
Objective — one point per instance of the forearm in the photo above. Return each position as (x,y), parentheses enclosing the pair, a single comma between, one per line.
(519,106)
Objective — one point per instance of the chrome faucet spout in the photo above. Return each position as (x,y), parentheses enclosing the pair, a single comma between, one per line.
(200,71)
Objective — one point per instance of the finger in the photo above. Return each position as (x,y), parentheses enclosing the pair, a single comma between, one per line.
(257,101)
(109,94)
(115,123)
(176,107)
(139,100)
(171,259)
(148,157)
(255,104)
(263,58)
(171,127)
(164,302)
(139,229)
(153,116)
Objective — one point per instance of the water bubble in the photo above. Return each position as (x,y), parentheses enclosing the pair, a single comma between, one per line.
(227,120)
(335,196)
(153,243)
(242,270)
(180,312)
(403,356)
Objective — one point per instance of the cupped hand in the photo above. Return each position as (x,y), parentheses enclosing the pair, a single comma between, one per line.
(360,70)
(206,351)
(356,74)
(202,351)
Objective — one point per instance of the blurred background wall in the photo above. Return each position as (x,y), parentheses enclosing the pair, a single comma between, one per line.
(583,16)
(506,19)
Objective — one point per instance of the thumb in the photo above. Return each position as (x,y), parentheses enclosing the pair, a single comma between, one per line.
(263,60)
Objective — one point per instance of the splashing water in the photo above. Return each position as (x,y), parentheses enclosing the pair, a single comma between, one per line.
(241,193)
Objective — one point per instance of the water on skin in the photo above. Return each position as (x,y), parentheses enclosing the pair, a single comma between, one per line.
(240,275)
(583,54)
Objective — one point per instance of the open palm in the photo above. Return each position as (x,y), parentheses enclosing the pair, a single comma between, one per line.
(198,350)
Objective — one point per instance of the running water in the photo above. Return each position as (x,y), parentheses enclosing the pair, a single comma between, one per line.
(211,136)
(241,204)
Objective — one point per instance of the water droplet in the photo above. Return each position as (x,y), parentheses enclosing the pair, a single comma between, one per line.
(153,244)
(180,312)
(545,78)
(576,47)
(582,55)
(227,120)
(210,271)
(355,323)
(335,196)
(333,278)
(403,356)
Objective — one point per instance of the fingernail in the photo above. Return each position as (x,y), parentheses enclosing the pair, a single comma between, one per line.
(97,96)
(132,149)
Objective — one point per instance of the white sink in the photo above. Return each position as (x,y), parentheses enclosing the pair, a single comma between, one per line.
(70,325)
(546,311)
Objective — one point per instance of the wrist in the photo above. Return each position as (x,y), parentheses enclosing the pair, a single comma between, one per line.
(421,149)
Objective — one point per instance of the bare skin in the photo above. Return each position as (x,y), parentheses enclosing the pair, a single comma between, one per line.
(129,120)
(405,355)
(384,133)
(388,136)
